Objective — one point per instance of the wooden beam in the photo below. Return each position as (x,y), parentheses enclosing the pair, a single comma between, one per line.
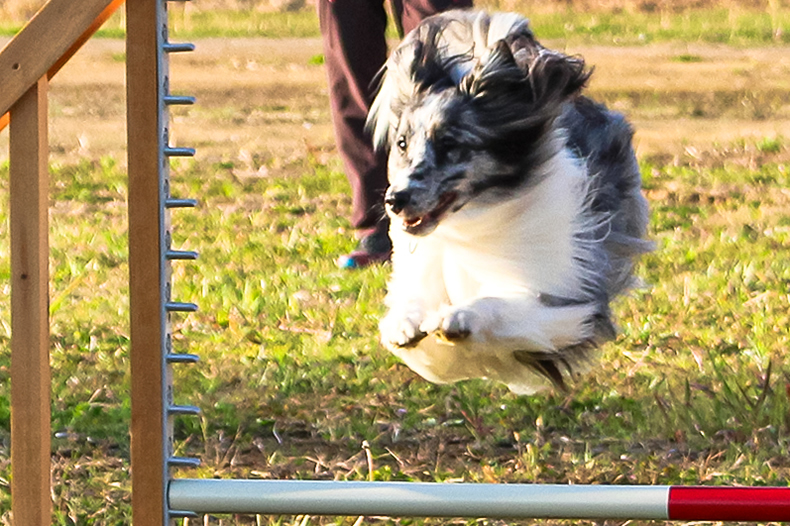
(149,482)
(52,71)
(99,21)
(30,372)
(49,36)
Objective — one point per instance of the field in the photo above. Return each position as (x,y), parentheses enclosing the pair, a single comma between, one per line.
(292,382)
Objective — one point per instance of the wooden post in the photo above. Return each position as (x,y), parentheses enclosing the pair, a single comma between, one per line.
(30,372)
(149,484)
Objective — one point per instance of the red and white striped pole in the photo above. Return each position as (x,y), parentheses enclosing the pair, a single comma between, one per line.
(533,501)
(754,504)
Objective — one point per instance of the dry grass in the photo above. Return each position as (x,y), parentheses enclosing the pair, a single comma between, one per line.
(272,103)
(20,10)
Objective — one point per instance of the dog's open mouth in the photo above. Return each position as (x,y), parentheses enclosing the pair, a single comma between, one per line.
(420,225)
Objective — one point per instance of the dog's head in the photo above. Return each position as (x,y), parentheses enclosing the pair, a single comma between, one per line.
(465,107)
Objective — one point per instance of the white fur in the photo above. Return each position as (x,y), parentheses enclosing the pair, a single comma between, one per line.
(481,271)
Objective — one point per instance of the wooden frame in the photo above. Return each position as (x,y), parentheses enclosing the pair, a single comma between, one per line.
(149,484)
(27,63)
(30,372)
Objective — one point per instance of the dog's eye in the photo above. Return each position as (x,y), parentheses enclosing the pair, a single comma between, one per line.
(401,143)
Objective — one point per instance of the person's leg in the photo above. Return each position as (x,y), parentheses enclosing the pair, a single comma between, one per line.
(354,50)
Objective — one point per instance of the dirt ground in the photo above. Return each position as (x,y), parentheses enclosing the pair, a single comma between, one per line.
(263,101)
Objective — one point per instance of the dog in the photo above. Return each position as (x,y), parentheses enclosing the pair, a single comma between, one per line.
(515,204)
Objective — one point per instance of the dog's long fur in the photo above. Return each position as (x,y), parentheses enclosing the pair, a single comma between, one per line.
(515,204)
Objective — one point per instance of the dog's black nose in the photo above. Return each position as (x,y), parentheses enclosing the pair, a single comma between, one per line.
(397,201)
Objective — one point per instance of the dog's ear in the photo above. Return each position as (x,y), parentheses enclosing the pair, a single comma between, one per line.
(498,77)
(418,65)
(431,63)
(555,76)
(382,116)
(525,89)
(384,112)
(546,75)
(501,92)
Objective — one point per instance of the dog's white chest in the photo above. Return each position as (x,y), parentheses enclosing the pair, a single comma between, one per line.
(526,245)
(462,281)
(469,273)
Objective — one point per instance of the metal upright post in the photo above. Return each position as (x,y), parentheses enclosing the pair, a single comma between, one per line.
(150,254)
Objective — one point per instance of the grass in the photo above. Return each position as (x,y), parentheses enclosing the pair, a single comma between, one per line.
(292,381)
(733,26)
(712,25)
(719,25)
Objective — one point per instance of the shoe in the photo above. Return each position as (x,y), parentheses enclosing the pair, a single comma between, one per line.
(375,247)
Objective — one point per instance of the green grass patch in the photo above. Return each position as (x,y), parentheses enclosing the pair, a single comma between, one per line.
(227,23)
(770,144)
(292,380)
(317,60)
(712,25)
(742,26)
(688,58)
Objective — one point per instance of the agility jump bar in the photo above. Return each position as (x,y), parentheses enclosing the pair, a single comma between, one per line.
(532,501)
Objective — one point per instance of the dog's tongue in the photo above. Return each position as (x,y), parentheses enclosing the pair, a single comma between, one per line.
(413,221)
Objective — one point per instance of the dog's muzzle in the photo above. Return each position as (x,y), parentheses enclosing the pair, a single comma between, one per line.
(417,222)
(397,201)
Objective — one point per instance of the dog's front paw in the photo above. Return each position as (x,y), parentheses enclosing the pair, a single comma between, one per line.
(401,331)
(459,324)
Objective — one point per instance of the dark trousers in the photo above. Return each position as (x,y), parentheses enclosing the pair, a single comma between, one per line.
(354,51)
